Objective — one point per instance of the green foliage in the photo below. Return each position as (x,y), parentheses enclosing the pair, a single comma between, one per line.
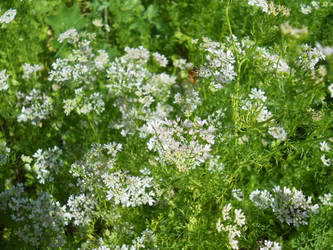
(244,155)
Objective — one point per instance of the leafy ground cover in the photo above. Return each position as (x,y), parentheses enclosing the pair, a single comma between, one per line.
(166,124)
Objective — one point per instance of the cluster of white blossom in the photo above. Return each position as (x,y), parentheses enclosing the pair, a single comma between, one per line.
(3,80)
(30,69)
(80,209)
(330,89)
(139,93)
(41,220)
(237,194)
(271,61)
(83,104)
(99,160)
(327,50)
(182,64)
(70,35)
(81,65)
(96,174)
(161,59)
(36,107)
(324,147)
(231,226)
(270,8)
(147,237)
(287,29)
(269,245)
(255,104)
(309,57)
(278,133)
(215,164)
(101,59)
(130,191)
(307,9)
(4,153)
(188,102)
(186,144)
(289,205)
(8,16)
(219,65)
(99,23)
(327,199)
(47,164)
(139,55)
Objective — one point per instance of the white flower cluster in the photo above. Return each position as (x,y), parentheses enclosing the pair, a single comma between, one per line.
(271,8)
(81,65)
(186,144)
(99,160)
(287,29)
(36,107)
(140,94)
(147,237)
(289,205)
(182,64)
(269,245)
(161,59)
(327,50)
(80,209)
(41,220)
(237,194)
(271,61)
(130,191)
(70,35)
(8,16)
(101,59)
(219,65)
(255,104)
(47,164)
(96,174)
(30,69)
(215,164)
(309,57)
(3,80)
(4,153)
(139,55)
(232,227)
(327,199)
(324,147)
(262,4)
(188,102)
(83,104)
(307,9)
(278,133)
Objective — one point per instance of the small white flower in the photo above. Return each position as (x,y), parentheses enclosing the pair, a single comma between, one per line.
(71,35)
(324,147)
(326,199)
(239,217)
(325,161)
(330,89)
(8,16)
(3,80)
(161,59)
(306,9)
(226,212)
(258,94)
(269,245)
(97,22)
(278,133)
